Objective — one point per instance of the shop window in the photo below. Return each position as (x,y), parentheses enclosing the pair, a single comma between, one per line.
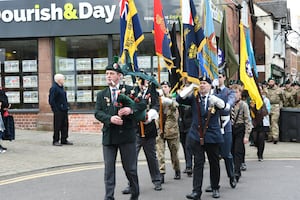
(19,72)
(82,59)
(147,59)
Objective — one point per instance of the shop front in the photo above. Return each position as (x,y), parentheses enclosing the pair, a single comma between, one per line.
(73,37)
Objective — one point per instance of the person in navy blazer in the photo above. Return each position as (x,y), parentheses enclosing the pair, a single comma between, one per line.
(228,96)
(212,139)
(118,133)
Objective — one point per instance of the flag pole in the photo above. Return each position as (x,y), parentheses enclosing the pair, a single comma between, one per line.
(159,98)
(181,41)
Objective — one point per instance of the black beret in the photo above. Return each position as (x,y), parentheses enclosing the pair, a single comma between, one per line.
(165,83)
(271,78)
(115,67)
(222,72)
(205,78)
(288,81)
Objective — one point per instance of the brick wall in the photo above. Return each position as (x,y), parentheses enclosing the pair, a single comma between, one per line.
(85,123)
(25,121)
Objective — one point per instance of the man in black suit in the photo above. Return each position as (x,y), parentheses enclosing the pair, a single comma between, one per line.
(119,133)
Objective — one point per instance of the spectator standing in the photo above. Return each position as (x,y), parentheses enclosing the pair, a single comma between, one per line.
(4,107)
(59,105)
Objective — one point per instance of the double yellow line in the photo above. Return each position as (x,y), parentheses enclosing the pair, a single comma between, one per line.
(49,173)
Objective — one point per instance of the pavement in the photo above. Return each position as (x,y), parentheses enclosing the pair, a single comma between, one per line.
(33,151)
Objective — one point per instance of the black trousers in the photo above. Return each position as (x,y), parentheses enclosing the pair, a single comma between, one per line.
(186,149)
(259,141)
(225,151)
(149,147)
(61,126)
(238,147)
(199,159)
(213,152)
(129,163)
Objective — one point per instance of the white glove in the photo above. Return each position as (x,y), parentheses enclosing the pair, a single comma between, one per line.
(227,107)
(215,83)
(166,101)
(160,92)
(216,101)
(187,91)
(152,114)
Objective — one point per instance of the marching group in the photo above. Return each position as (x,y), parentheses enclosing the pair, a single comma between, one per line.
(209,119)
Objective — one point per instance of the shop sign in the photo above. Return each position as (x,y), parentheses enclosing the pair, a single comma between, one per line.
(53,13)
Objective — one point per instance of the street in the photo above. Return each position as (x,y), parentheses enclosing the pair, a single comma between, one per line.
(271,179)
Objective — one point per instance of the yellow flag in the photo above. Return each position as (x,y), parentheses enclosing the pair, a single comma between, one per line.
(246,74)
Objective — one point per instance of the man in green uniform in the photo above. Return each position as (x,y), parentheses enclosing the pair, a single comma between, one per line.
(276,96)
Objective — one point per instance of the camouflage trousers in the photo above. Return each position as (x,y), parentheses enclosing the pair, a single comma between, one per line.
(173,145)
(275,112)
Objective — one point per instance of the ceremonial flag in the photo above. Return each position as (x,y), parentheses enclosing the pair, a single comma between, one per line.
(251,52)
(174,73)
(131,34)
(226,55)
(193,39)
(162,38)
(246,74)
(210,56)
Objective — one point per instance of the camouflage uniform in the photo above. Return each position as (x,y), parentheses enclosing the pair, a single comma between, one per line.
(170,134)
(276,97)
(290,97)
(297,96)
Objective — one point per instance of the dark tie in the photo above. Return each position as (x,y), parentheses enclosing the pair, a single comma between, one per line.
(232,115)
(203,101)
(114,95)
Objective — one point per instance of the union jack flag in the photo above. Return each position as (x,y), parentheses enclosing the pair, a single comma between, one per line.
(131,34)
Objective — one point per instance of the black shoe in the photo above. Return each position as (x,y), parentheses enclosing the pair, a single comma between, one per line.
(232,182)
(193,195)
(208,189)
(157,187)
(3,148)
(243,167)
(56,144)
(67,143)
(162,178)
(216,193)
(237,177)
(177,175)
(189,172)
(126,190)
(275,142)
(134,198)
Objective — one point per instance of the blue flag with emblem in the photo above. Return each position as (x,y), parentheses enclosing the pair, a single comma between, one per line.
(250,51)
(193,39)
(209,53)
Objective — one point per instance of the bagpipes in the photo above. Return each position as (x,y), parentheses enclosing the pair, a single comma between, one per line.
(137,104)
